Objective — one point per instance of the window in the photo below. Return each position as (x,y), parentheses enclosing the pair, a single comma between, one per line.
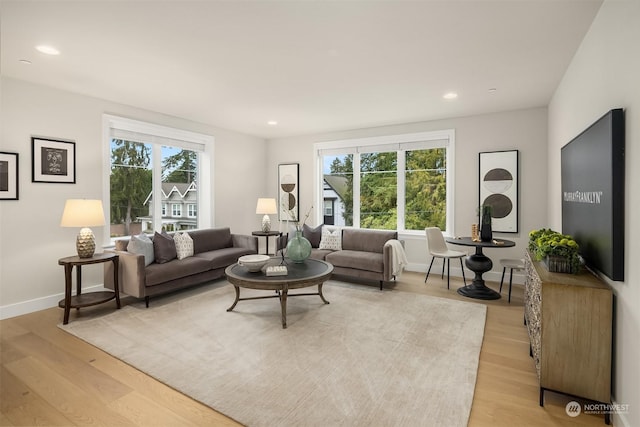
(144,160)
(402,182)
(191,210)
(328,207)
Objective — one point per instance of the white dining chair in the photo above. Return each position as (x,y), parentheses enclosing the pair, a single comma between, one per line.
(511,264)
(437,248)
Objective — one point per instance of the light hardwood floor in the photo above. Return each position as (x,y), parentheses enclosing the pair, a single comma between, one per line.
(49,377)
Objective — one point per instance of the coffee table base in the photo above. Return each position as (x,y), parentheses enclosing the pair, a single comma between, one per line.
(282,295)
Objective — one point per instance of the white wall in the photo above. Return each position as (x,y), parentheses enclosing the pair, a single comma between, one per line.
(32,240)
(524,130)
(604,75)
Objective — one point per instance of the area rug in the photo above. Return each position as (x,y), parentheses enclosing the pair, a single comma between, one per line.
(369,358)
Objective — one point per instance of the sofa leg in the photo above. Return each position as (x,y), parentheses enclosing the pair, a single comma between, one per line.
(381,282)
(146,301)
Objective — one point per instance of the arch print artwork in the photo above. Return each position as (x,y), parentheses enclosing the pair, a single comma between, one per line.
(498,179)
(288,192)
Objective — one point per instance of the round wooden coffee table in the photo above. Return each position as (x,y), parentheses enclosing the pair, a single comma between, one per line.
(309,273)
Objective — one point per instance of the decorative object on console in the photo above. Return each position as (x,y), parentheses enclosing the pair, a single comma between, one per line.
(266,207)
(486,234)
(8,176)
(53,161)
(83,213)
(498,188)
(558,252)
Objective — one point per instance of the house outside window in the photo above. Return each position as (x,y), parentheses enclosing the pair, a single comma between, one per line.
(191,210)
(399,182)
(144,159)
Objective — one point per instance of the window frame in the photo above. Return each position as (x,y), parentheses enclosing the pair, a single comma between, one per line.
(160,135)
(400,143)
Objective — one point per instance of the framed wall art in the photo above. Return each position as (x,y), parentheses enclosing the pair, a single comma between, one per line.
(53,161)
(288,192)
(8,176)
(499,185)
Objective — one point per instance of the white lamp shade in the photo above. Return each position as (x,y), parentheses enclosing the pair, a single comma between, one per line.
(82,213)
(266,206)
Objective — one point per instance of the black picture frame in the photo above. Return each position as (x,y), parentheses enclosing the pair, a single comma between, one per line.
(289,191)
(53,161)
(498,187)
(9,177)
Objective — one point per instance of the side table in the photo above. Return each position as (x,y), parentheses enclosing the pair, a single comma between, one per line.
(90,298)
(266,234)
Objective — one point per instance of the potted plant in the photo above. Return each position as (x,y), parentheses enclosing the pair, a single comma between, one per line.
(557,251)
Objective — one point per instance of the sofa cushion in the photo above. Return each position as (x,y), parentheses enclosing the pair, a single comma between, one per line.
(360,260)
(122,244)
(320,254)
(331,238)
(142,245)
(184,245)
(211,239)
(357,239)
(164,247)
(165,272)
(222,258)
(313,235)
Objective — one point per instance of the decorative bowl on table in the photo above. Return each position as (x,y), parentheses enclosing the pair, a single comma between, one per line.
(253,263)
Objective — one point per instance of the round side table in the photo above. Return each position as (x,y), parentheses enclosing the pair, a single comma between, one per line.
(91,298)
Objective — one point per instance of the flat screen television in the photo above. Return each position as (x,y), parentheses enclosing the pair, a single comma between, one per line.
(593,193)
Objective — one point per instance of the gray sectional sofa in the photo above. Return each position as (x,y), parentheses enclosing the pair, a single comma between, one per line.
(213,251)
(364,253)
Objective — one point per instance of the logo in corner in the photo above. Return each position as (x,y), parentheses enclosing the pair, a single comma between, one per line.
(573,409)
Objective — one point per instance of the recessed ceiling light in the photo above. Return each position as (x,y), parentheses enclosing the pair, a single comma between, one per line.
(272,123)
(24,61)
(492,90)
(47,50)
(450,95)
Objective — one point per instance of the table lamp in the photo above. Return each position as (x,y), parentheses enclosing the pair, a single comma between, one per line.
(83,213)
(266,207)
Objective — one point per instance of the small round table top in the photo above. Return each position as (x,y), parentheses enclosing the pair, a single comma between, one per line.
(468,241)
(96,258)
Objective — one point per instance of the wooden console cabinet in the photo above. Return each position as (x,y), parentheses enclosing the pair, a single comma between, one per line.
(569,318)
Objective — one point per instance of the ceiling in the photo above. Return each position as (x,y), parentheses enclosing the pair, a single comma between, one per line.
(313,66)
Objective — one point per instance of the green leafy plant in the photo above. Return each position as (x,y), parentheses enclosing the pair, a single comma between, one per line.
(545,243)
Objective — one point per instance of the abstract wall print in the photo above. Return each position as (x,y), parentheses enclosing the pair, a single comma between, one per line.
(53,161)
(288,192)
(499,188)
(8,176)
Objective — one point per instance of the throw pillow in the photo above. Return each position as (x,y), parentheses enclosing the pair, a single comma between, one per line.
(313,235)
(142,245)
(164,247)
(331,238)
(184,245)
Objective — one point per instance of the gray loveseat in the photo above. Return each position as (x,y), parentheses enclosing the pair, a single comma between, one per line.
(213,250)
(364,253)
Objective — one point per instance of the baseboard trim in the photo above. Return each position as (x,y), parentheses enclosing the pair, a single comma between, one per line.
(30,306)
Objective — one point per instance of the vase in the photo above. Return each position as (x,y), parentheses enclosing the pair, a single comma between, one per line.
(486,234)
(298,248)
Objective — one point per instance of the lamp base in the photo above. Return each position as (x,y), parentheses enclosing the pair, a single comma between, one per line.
(266,223)
(86,243)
